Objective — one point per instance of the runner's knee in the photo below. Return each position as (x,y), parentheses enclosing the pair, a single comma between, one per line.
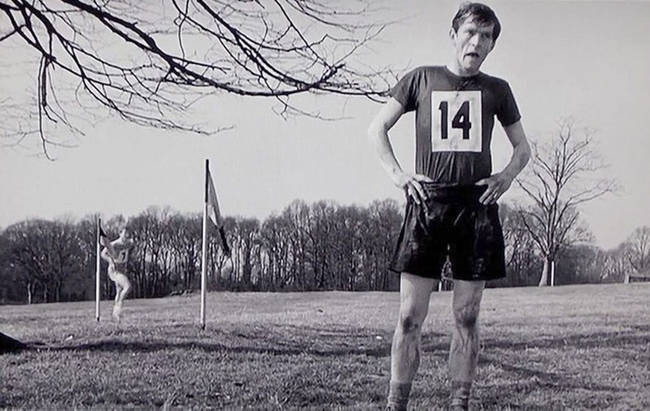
(466,316)
(126,287)
(409,323)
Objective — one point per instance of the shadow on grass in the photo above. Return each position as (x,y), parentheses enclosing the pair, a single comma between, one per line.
(530,379)
(153,346)
(283,340)
(543,379)
(640,337)
(290,340)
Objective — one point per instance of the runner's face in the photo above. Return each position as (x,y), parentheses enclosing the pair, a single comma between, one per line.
(472,43)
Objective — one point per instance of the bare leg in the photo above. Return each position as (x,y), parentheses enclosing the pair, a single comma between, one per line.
(118,290)
(123,286)
(126,287)
(117,306)
(415,292)
(463,355)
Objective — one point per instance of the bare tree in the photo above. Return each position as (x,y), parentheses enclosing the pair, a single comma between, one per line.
(48,252)
(298,215)
(637,250)
(148,62)
(275,236)
(379,235)
(150,259)
(566,172)
(612,264)
(184,239)
(246,243)
(522,260)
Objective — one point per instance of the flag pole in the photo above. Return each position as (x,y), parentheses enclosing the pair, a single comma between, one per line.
(204,255)
(97,270)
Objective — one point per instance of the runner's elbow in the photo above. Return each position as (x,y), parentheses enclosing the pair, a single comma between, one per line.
(377,131)
(525,152)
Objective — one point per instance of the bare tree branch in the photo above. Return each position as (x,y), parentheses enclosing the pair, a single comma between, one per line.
(150,64)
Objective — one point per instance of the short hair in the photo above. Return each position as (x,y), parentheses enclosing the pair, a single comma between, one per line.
(482,15)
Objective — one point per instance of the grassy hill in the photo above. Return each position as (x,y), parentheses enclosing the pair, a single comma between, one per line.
(571,347)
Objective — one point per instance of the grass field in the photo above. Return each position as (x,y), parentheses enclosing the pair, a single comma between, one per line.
(572,347)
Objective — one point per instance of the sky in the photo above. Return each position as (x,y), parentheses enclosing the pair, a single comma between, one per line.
(588,60)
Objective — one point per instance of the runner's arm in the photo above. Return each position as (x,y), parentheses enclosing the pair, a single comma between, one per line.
(106,255)
(378,134)
(497,184)
(520,150)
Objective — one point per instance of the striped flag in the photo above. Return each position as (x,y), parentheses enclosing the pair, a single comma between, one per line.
(213,210)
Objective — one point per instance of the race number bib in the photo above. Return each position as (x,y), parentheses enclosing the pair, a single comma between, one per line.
(122,256)
(456,121)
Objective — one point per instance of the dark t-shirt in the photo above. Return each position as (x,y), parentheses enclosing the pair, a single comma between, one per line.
(454,118)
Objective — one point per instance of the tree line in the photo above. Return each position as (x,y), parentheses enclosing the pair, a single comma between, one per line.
(306,247)
(323,246)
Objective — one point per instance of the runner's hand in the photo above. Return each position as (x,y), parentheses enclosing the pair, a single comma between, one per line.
(410,183)
(497,184)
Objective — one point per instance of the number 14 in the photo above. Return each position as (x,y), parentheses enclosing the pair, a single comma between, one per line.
(460,121)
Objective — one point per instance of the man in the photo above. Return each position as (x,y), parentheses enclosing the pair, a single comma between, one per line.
(117,255)
(451,207)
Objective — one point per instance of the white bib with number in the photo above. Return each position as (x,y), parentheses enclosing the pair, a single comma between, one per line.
(456,121)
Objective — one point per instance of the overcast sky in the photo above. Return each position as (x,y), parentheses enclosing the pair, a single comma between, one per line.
(587,60)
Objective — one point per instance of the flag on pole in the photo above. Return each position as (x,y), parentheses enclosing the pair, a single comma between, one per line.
(105,242)
(210,211)
(103,238)
(214,213)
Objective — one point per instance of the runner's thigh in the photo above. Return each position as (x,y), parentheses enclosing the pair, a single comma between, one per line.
(415,292)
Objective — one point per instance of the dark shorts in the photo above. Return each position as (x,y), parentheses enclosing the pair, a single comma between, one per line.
(451,224)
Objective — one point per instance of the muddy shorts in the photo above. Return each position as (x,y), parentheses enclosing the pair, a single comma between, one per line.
(452,223)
